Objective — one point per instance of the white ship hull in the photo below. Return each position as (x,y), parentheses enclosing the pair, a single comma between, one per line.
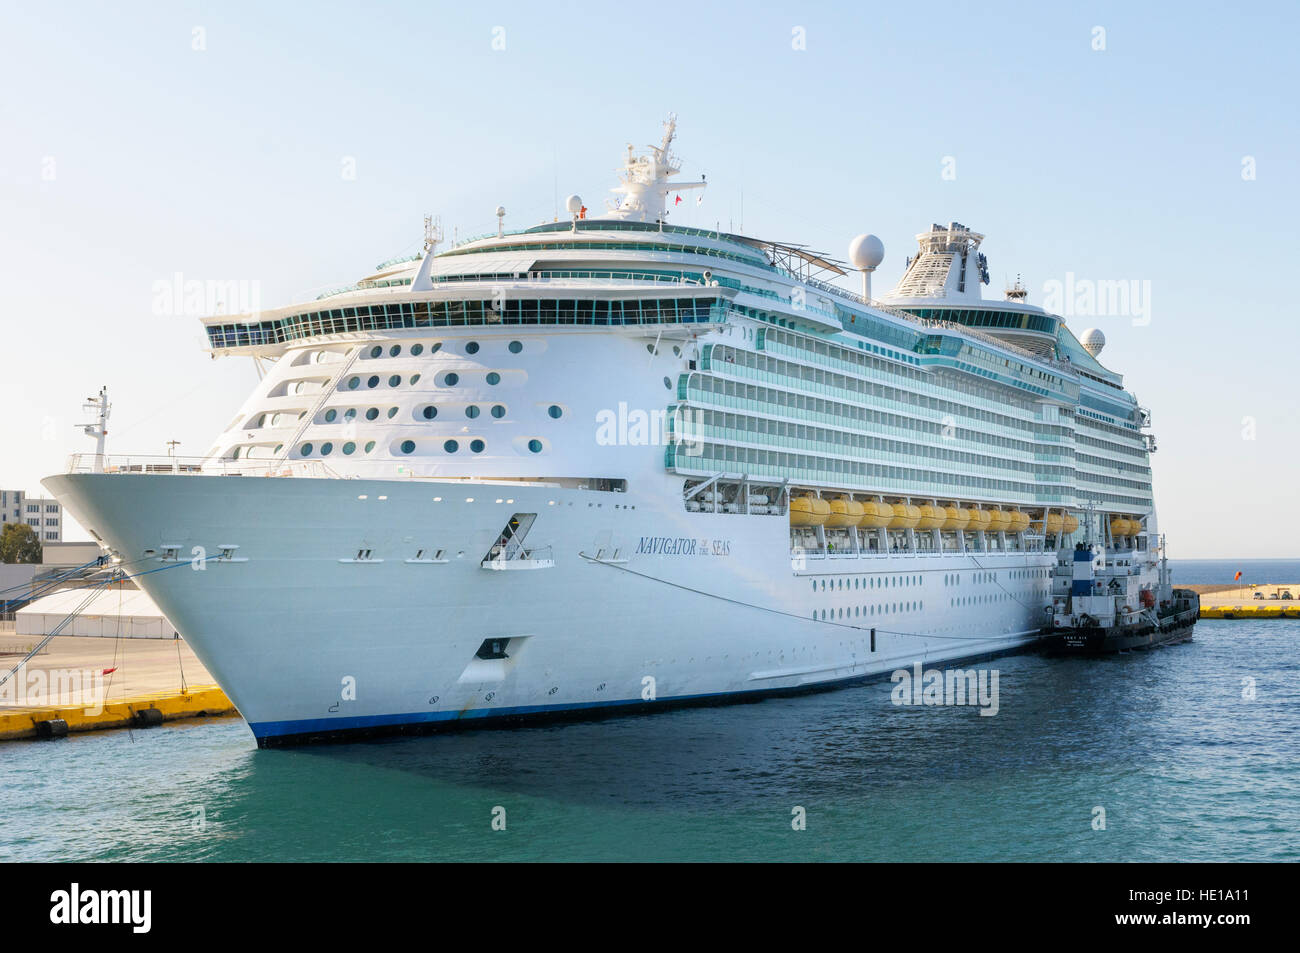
(308,641)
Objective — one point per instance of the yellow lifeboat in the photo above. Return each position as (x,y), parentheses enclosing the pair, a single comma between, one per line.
(1071,522)
(1019,521)
(844,512)
(906,516)
(932,517)
(876,515)
(1119,526)
(999,521)
(808,511)
(956,519)
(1055,523)
(979,521)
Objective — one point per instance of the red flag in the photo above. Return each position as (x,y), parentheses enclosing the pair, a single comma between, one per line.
(109,671)
(679,200)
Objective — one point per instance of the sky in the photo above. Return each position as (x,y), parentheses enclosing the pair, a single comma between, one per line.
(294,146)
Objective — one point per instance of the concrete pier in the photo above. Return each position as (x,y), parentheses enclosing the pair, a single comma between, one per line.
(1235,601)
(86,684)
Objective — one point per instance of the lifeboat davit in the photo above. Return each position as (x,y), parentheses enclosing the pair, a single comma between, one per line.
(876,515)
(999,521)
(906,516)
(956,519)
(932,517)
(808,511)
(844,512)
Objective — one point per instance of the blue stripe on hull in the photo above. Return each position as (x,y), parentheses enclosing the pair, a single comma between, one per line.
(275,733)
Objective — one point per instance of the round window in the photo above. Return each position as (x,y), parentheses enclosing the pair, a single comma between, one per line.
(415,378)
(370,445)
(395,350)
(349,447)
(516,347)
(326,449)
(535,445)
(330,415)
(354,383)
(476,446)
(668,384)
(305,450)
(430,412)
(471,411)
(471,347)
(374,381)
(452,379)
(392,412)
(372,413)
(394,380)
(498,411)
(555,411)
(417,350)
(350,413)
(408,446)
(494,378)
(451,446)
(376,351)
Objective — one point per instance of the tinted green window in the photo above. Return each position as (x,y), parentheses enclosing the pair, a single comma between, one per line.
(498,411)
(452,379)
(494,378)
(330,415)
(535,446)
(430,412)
(354,383)
(305,449)
(374,381)
(471,347)
(451,446)
(476,446)
(349,447)
(471,411)
(555,411)
(516,347)
(326,449)
(408,446)
(372,413)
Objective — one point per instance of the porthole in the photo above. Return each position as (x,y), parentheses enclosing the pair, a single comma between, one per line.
(451,446)
(350,413)
(668,384)
(278,448)
(476,446)
(435,347)
(452,379)
(408,446)
(326,449)
(370,445)
(395,350)
(349,448)
(535,445)
(417,350)
(330,415)
(515,347)
(235,455)
(430,412)
(493,378)
(556,411)
(392,412)
(372,413)
(471,411)
(305,450)
(471,347)
(374,381)
(415,379)
(395,380)
(354,383)
(376,351)
(498,411)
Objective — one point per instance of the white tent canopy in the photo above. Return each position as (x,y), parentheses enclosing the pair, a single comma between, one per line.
(114,613)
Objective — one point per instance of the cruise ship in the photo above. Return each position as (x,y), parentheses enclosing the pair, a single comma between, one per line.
(608,462)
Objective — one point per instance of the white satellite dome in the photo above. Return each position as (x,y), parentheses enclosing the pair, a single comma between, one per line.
(573,204)
(1093,341)
(866,252)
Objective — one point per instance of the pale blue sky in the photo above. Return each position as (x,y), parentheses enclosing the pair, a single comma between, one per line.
(225,163)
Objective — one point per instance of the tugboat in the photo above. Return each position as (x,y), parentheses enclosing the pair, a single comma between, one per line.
(1117,603)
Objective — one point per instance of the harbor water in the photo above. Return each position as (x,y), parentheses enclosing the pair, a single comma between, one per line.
(1190,752)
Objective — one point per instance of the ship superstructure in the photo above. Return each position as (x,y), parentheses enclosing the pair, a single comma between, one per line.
(615,462)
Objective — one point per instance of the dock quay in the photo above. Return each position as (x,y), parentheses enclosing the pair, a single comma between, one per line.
(90,684)
(1235,601)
